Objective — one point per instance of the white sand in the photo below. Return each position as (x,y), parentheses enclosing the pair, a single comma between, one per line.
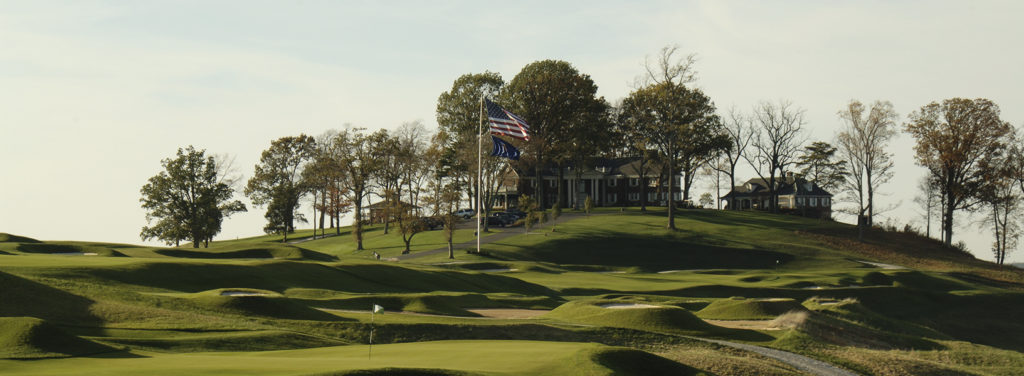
(628,306)
(497,270)
(242,293)
(881,265)
(76,254)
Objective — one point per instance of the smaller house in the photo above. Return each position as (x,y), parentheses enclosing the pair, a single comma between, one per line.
(376,212)
(796,195)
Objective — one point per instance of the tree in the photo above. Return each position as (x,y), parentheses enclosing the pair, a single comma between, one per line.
(357,159)
(928,199)
(277,182)
(863,140)
(706,200)
(551,96)
(740,133)
(1001,196)
(777,135)
(684,128)
(188,200)
(529,206)
(386,152)
(958,141)
(459,117)
(818,165)
(632,130)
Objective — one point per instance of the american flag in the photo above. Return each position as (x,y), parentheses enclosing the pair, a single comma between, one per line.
(505,123)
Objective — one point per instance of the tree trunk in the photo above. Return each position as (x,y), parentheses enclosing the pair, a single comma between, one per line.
(948,221)
(671,180)
(871,199)
(357,225)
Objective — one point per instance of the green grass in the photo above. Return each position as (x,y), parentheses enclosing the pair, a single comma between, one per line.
(944,314)
(32,338)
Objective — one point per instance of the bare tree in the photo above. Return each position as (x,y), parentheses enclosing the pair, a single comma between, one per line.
(929,201)
(740,134)
(865,136)
(667,67)
(777,135)
(1000,195)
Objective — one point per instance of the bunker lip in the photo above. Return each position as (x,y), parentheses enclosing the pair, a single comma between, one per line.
(241,293)
(628,306)
(75,254)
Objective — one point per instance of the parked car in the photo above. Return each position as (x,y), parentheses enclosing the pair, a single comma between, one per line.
(431,223)
(519,214)
(495,221)
(509,218)
(465,213)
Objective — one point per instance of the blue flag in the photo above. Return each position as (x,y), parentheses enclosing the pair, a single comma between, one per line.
(504,149)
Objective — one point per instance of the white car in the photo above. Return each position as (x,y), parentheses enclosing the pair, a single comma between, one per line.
(465,213)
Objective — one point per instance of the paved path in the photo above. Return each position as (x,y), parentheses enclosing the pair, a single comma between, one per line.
(495,237)
(800,362)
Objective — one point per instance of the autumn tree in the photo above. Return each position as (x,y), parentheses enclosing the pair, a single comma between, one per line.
(459,119)
(636,143)
(684,128)
(959,141)
(552,96)
(188,200)
(356,158)
(277,182)
(777,135)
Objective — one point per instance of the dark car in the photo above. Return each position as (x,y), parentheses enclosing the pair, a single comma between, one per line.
(431,223)
(509,218)
(518,213)
(495,221)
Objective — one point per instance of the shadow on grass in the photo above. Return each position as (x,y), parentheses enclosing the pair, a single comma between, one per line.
(652,253)
(23,297)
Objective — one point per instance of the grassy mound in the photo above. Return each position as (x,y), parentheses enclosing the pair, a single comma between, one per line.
(626,362)
(280,275)
(250,251)
(32,338)
(269,305)
(812,330)
(10,238)
(738,308)
(23,297)
(61,248)
(454,304)
(226,341)
(393,371)
(656,319)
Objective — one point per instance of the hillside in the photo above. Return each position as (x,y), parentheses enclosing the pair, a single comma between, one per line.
(610,293)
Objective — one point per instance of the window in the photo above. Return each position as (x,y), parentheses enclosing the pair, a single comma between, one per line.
(634,197)
(800,201)
(612,198)
(814,201)
(651,196)
(824,201)
(533,183)
(552,183)
(634,182)
(677,196)
(611,182)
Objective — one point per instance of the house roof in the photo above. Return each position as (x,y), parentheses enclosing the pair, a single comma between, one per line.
(789,185)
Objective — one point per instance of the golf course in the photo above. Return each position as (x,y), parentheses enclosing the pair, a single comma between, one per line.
(607,293)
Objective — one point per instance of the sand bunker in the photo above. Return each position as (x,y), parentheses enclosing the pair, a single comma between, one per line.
(628,306)
(746,324)
(242,293)
(509,313)
(881,265)
(76,254)
(497,270)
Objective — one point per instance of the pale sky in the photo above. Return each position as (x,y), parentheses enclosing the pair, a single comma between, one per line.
(93,94)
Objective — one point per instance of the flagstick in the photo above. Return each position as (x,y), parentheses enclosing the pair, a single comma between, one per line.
(369,352)
(479,173)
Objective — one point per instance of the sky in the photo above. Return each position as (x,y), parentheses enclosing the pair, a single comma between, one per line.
(93,94)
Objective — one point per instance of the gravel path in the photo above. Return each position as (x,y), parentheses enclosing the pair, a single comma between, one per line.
(800,362)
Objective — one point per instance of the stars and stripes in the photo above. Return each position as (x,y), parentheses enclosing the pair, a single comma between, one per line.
(504,123)
(504,149)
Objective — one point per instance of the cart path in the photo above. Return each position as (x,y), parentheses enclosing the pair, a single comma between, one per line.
(496,237)
(800,362)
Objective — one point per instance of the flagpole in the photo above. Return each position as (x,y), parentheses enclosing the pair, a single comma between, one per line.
(479,173)
(369,351)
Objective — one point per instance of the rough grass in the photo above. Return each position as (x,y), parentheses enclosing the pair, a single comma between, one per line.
(738,308)
(250,251)
(32,338)
(10,238)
